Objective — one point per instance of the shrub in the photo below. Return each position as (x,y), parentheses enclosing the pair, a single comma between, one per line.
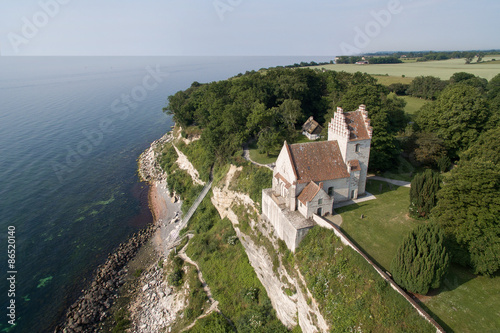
(421,260)
(423,191)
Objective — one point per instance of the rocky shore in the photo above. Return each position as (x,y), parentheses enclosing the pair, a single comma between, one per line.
(92,307)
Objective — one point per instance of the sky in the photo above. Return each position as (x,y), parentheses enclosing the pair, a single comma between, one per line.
(244,27)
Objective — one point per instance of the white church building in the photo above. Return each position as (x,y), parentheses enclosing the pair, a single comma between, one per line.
(309,178)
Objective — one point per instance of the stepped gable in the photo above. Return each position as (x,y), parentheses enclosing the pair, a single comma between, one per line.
(317,161)
(356,125)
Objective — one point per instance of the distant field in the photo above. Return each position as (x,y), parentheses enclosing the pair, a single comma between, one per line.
(388,80)
(442,69)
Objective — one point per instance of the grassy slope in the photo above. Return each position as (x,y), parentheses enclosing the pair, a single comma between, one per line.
(228,272)
(465,303)
(353,297)
(442,69)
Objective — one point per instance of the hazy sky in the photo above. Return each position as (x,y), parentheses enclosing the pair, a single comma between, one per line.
(244,27)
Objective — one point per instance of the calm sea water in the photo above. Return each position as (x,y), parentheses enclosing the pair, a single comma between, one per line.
(71,130)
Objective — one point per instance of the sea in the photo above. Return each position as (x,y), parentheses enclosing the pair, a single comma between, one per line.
(71,131)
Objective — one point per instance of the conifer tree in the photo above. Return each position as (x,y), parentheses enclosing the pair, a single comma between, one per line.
(421,260)
(424,188)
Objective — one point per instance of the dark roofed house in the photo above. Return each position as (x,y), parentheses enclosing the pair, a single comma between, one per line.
(312,129)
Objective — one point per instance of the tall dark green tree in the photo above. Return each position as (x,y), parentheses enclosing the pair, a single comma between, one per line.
(421,260)
(458,116)
(428,87)
(423,191)
(468,209)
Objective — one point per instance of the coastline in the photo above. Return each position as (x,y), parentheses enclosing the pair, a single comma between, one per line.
(89,312)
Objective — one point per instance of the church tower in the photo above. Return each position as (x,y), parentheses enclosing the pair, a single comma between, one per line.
(353,133)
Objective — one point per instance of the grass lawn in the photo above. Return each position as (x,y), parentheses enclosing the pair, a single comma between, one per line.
(385,221)
(464,303)
(443,69)
(413,104)
(262,158)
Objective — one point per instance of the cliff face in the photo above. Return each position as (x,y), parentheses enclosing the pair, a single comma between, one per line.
(285,289)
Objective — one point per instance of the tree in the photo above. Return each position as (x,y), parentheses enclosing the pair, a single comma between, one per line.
(468,57)
(268,139)
(468,209)
(421,260)
(387,118)
(423,191)
(486,147)
(458,116)
(429,149)
(427,87)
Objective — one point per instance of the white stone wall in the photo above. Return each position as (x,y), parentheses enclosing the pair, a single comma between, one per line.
(363,157)
(341,188)
(282,227)
(326,206)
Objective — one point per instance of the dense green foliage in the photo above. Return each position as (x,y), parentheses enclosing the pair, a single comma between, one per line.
(428,87)
(421,260)
(458,116)
(486,147)
(423,191)
(429,149)
(226,268)
(468,209)
(350,292)
(271,105)
(384,60)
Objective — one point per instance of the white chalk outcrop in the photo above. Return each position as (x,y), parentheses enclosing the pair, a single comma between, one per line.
(289,309)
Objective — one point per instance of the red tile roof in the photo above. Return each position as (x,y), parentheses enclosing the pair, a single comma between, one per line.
(309,192)
(317,161)
(354,164)
(356,124)
(287,183)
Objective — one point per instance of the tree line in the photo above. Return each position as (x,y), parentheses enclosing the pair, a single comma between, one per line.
(461,126)
(270,106)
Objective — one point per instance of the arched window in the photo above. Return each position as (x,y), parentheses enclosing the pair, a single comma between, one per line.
(356,149)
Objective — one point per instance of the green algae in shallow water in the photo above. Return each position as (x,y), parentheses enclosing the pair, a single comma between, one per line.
(43,282)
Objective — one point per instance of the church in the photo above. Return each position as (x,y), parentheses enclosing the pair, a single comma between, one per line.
(309,178)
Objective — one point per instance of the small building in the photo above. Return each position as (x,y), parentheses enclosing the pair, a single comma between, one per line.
(312,129)
(362,62)
(309,178)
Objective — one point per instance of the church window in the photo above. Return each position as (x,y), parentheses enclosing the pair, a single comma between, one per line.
(320,201)
(330,191)
(357,147)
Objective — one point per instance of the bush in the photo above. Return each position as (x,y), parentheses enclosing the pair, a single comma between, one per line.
(421,260)
(423,191)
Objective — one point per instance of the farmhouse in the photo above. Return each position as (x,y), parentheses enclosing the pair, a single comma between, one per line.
(309,178)
(312,129)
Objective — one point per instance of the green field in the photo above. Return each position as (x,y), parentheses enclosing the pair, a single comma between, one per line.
(442,69)
(464,303)
(413,104)
(388,80)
